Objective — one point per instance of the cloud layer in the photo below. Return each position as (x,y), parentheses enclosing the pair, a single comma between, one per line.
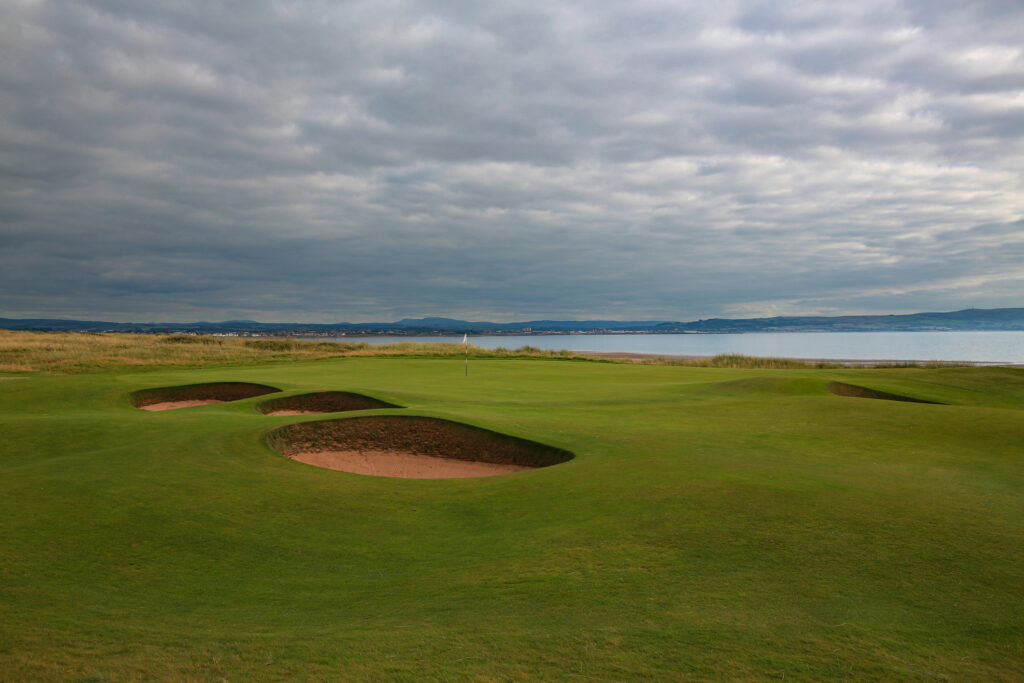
(320,161)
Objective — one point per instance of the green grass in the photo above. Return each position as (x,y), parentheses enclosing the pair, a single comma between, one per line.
(716,524)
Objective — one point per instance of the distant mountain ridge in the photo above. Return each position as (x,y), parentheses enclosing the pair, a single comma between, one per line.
(968,319)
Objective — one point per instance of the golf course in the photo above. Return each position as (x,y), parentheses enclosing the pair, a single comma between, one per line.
(662,522)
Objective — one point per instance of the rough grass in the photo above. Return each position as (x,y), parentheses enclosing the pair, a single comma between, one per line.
(74,352)
(740,361)
(736,360)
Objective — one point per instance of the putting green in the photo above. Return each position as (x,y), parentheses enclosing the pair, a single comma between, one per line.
(714,524)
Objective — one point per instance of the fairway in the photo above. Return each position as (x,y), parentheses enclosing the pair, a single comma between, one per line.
(712,524)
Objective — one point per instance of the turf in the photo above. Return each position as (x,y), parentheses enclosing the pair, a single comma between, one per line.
(715,524)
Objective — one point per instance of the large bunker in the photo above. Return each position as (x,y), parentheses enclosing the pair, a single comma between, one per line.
(322,402)
(411,447)
(186,396)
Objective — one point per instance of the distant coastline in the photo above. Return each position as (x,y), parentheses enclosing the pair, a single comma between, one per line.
(974,319)
(973,347)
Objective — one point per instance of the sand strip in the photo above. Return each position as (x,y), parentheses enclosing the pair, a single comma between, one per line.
(281,413)
(172,405)
(405,465)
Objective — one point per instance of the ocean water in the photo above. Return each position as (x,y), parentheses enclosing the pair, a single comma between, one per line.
(977,347)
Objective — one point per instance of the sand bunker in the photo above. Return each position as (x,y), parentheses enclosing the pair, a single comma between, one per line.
(852,390)
(171,405)
(169,398)
(410,447)
(321,402)
(405,465)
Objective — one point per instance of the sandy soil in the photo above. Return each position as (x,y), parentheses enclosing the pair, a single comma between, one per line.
(171,405)
(405,465)
(279,413)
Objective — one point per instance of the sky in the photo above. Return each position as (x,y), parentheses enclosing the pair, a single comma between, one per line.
(172,160)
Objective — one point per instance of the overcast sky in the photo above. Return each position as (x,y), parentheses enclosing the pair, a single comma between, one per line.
(326,161)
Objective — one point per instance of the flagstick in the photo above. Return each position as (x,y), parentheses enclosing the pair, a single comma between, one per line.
(465,343)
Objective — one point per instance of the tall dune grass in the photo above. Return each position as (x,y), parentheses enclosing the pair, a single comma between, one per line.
(73,352)
(735,360)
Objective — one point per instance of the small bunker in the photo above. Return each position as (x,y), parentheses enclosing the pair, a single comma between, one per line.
(186,396)
(321,402)
(854,391)
(410,447)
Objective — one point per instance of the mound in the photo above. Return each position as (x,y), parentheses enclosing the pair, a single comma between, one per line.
(321,402)
(852,390)
(759,386)
(410,447)
(168,398)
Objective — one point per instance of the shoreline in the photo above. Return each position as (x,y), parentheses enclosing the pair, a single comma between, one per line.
(860,349)
(849,362)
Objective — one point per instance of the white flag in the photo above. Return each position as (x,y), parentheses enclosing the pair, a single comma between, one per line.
(465,339)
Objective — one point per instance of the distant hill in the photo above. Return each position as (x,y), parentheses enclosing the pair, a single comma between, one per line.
(969,319)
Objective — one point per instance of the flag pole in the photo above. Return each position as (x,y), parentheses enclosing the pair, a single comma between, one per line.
(465,343)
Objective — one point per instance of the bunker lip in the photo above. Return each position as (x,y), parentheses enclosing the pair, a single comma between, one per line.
(188,395)
(410,447)
(855,391)
(322,402)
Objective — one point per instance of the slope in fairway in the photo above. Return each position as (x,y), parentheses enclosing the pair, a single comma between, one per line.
(713,524)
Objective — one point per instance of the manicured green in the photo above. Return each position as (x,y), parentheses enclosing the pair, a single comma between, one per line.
(716,524)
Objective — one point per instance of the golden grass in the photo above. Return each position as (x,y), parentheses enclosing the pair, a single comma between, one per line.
(735,360)
(74,352)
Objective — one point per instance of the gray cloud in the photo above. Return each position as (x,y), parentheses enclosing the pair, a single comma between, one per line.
(320,161)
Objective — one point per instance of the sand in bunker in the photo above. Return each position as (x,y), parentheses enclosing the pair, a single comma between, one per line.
(280,413)
(406,465)
(171,405)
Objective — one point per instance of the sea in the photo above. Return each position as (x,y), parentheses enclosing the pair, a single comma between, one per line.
(997,347)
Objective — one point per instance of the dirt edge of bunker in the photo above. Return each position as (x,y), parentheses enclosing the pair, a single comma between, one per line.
(220,392)
(416,435)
